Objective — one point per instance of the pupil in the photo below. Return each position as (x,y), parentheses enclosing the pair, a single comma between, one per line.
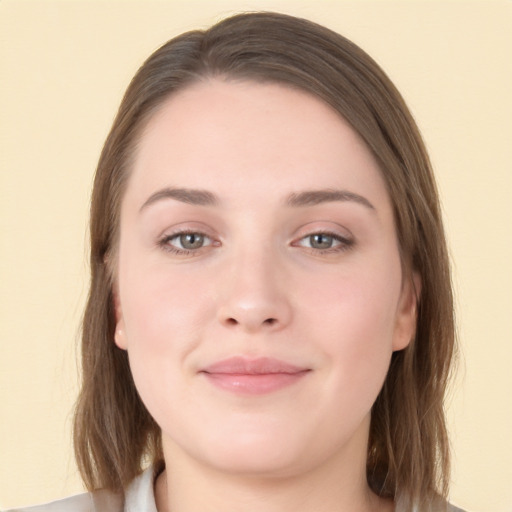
(191,240)
(321,241)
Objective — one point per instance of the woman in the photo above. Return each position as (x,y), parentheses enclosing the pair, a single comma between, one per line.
(270,319)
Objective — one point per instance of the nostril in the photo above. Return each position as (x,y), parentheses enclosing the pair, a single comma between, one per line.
(269,321)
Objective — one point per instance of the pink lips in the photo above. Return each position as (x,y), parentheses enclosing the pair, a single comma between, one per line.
(253,376)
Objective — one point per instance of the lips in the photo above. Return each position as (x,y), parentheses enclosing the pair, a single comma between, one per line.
(253,376)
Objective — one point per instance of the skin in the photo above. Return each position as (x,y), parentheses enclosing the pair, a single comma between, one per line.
(259,285)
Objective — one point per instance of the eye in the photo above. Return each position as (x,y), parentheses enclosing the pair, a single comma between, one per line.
(190,241)
(185,242)
(320,241)
(324,242)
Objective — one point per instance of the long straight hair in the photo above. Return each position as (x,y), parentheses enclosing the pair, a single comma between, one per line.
(408,456)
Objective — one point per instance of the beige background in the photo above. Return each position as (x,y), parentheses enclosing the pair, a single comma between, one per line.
(64,66)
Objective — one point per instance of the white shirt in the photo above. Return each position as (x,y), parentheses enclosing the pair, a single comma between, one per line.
(139,497)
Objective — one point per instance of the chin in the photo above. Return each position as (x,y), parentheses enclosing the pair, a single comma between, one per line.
(254,452)
(257,460)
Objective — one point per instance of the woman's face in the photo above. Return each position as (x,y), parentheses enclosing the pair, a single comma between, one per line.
(259,288)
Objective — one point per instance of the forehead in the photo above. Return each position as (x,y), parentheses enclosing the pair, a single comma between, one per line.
(238,137)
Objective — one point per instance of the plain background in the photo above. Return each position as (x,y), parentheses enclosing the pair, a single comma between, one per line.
(63,69)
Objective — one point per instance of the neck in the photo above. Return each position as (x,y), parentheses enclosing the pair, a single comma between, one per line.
(326,488)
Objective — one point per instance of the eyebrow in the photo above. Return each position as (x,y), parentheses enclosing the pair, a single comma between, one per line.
(184,195)
(314,197)
(297,199)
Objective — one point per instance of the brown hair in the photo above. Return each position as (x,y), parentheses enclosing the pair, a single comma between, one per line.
(408,456)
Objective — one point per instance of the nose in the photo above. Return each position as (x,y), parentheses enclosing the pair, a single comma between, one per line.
(255,296)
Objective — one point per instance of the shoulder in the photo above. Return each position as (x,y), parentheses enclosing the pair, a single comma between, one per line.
(138,497)
(447,507)
(436,507)
(99,501)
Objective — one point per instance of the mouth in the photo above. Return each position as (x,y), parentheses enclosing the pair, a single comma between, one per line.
(253,376)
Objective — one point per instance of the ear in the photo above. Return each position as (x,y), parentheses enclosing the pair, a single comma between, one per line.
(407,312)
(119,335)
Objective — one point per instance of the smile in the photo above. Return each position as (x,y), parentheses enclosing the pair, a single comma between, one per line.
(253,376)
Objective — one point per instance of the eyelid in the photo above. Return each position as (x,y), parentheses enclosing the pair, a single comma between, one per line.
(185,227)
(342,235)
(326,227)
(163,241)
(335,237)
(182,233)
(331,234)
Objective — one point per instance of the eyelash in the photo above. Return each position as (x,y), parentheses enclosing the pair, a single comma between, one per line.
(344,244)
(164,243)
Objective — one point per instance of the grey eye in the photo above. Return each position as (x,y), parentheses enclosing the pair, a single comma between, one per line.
(321,241)
(191,240)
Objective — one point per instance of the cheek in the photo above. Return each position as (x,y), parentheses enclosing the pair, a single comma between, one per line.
(364,302)
(354,318)
(158,305)
(165,319)
(164,314)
